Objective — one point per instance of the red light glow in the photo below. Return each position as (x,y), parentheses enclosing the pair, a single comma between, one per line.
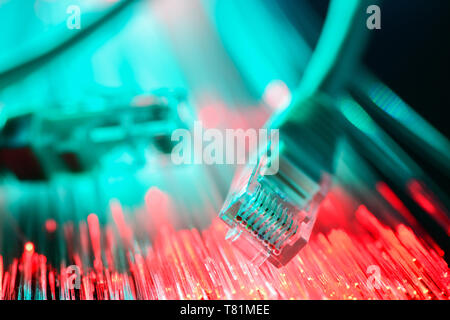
(29,247)
(117,263)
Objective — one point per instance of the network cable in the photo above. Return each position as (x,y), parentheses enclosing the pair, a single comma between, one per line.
(271,216)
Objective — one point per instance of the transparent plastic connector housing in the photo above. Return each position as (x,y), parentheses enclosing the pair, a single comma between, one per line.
(271,216)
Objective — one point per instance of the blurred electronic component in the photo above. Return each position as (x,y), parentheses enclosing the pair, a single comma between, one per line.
(51,140)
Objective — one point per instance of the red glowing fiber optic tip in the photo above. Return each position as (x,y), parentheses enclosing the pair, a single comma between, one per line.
(50,225)
(29,247)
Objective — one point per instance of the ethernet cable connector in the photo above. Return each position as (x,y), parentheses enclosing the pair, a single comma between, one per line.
(271,216)
(109,131)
